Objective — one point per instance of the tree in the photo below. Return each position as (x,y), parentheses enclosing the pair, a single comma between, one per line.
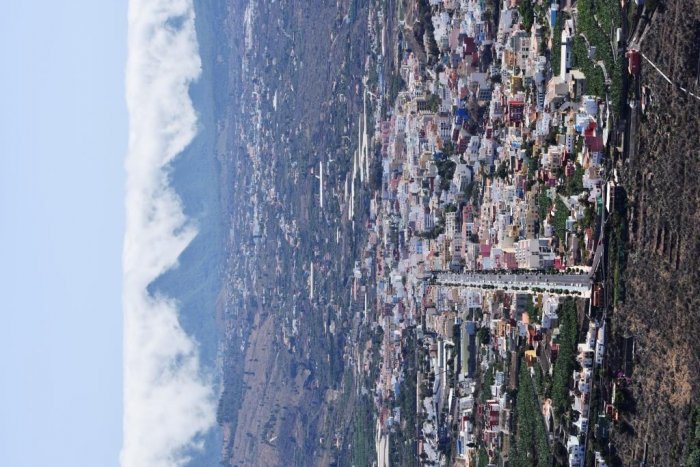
(556,41)
(527,14)
(574,184)
(434,102)
(564,366)
(561,214)
(446,169)
(448,149)
(531,444)
(484,336)
(451,207)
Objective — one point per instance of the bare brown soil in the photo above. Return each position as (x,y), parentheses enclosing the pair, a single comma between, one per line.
(662,302)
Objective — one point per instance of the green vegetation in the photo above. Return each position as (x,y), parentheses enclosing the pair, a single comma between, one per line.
(600,33)
(446,170)
(448,148)
(475,193)
(556,42)
(527,14)
(692,458)
(618,255)
(403,440)
(363,444)
(396,85)
(588,215)
(486,385)
(502,171)
(573,185)
(229,403)
(561,214)
(433,233)
(544,204)
(609,15)
(468,191)
(425,26)
(543,383)
(377,337)
(531,445)
(564,366)
(483,459)
(595,79)
(352,11)
(542,15)
(450,207)
(433,102)
(232,396)
(483,335)
(532,310)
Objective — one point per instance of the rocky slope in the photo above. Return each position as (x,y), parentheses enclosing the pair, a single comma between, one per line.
(662,275)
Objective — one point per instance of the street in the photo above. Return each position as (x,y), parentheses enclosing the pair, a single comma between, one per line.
(549,282)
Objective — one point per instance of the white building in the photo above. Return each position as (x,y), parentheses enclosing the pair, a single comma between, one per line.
(575,450)
(567,48)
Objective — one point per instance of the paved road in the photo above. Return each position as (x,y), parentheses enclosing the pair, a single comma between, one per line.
(597,257)
(571,282)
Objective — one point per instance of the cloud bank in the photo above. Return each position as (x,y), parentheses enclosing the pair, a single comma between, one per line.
(168,403)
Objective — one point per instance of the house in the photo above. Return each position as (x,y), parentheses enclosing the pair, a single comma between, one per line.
(633,61)
(581,425)
(468,349)
(516,110)
(491,421)
(557,92)
(519,44)
(577,83)
(567,48)
(600,345)
(450,224)
(469,51)
(462,176)
(552,159)
(575,451)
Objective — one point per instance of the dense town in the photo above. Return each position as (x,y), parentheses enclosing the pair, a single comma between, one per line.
(487,237)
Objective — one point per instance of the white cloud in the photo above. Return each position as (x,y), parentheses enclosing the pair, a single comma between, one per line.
(167,400)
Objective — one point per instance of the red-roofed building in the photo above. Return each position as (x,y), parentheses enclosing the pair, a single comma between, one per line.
(470,51)
(516,110)
(467,214)
(469,46)
(509,260)
(594,143)
(569,170)
(558,264)
(633,60)
(590,129)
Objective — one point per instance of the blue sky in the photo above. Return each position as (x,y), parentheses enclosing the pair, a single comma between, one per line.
(63,138)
